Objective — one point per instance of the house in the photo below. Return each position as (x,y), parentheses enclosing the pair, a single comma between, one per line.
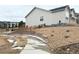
(38,16)
(7,24)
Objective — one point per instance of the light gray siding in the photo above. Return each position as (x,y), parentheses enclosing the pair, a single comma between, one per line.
(49,18)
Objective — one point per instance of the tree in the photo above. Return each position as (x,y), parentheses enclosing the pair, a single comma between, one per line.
(21,23)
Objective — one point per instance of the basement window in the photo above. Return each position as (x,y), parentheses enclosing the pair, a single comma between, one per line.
(41,18)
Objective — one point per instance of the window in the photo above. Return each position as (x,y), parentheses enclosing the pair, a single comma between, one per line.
(41,18)
(67,18)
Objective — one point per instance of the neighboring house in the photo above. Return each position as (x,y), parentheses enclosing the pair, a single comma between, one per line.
(73,17)
(7,24)
(2,25)
(14,24)
(77,15)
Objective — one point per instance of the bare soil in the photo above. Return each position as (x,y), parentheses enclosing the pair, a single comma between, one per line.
(68,49)
(60,39)
(59,36)
(6,46)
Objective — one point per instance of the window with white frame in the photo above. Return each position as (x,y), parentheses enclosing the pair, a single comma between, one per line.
(41,18)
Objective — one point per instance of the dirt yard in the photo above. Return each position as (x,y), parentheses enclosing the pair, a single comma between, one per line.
(59,36)
(57,39)
(6,46)
(67,49)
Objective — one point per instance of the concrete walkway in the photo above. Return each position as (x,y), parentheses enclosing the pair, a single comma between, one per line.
(34,46)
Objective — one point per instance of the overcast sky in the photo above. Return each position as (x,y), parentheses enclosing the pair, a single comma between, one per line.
(17,12)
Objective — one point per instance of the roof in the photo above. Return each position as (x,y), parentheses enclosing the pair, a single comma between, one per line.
(77,14)
(72,10)
(59,9)
(51,11)
(36,8)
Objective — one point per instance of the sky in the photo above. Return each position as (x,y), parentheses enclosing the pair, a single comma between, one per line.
(16,13)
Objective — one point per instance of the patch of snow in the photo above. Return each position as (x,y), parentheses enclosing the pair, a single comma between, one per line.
(11,41)
(17,48)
